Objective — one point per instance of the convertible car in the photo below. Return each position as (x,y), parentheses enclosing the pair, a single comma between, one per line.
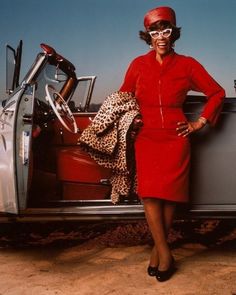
(44,173)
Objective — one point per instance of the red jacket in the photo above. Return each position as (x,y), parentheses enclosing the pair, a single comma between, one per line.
(161,89)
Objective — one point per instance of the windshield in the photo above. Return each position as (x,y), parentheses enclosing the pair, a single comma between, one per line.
(52,75)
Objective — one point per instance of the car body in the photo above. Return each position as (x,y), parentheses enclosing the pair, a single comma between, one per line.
(44,173)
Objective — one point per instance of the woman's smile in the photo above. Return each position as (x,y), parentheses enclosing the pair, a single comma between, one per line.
(162,47)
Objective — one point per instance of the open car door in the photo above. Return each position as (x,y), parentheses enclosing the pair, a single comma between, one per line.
(15,133)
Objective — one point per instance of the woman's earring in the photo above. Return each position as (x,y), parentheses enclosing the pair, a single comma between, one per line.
(151,46)
(173,45)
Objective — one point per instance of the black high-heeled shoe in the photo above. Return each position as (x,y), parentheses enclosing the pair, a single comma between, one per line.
(152,270)
(164,275)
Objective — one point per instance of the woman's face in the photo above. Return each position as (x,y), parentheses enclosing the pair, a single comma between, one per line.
(161,41)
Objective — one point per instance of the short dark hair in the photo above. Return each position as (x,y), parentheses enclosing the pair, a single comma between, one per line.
(160,25)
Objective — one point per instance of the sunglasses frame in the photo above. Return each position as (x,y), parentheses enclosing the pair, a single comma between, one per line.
(160,33)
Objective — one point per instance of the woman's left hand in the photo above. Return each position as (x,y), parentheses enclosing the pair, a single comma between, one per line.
(186,128)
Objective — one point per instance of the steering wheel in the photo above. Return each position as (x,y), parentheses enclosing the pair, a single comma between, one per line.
(61,109)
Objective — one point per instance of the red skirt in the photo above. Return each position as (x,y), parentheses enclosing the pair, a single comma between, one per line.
(162,162)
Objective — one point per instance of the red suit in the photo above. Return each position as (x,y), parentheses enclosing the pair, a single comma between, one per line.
(163,157)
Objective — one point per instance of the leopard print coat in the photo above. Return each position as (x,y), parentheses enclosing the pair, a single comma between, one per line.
(107,140)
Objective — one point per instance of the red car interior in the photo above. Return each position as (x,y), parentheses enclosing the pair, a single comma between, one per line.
(76,176)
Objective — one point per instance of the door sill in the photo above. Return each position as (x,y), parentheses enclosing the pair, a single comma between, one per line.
(83,213)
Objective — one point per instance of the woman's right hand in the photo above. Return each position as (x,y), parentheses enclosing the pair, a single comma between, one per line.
(136,126)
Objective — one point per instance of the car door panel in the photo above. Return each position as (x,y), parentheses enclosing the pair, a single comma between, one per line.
(212,178)
(8,190)
(23,150)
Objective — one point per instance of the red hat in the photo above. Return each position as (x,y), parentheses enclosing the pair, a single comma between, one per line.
(159,13)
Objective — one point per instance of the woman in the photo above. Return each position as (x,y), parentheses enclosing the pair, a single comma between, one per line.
(160,81)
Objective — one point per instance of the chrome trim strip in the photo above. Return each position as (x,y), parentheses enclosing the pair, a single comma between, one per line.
(34,70)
